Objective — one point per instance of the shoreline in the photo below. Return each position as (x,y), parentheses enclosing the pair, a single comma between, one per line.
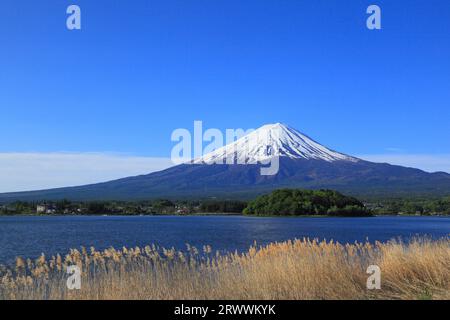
(212,214)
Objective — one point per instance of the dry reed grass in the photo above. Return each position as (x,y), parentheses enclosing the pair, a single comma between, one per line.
(299,269)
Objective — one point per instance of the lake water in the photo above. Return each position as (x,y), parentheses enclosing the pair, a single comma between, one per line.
(29,236)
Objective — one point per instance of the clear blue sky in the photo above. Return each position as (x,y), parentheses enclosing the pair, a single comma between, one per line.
(140,69)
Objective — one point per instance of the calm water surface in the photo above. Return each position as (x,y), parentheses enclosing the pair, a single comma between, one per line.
(29,236)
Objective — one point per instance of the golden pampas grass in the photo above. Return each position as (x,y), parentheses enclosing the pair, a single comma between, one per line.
(294,269)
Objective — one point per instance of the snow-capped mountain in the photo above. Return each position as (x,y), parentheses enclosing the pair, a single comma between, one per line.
(272,140)
(303,163)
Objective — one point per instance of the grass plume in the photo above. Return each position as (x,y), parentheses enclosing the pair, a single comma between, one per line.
(298,269)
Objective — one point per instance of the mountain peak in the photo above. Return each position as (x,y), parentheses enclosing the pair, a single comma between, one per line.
(272,140)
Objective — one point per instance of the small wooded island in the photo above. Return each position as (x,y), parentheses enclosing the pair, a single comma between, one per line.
(295,202)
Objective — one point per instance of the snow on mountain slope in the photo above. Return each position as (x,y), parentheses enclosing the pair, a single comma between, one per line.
(270,141)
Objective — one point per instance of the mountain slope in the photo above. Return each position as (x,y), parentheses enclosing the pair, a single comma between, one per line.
(303,164)
(272,140)
(362,178)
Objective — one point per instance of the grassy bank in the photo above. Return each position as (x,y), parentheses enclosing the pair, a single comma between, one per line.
(300,269)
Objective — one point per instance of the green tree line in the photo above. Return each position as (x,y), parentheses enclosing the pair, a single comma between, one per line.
(412,206)
(280,202)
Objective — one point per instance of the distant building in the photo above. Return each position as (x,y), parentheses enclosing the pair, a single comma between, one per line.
(44,208)
(182,210)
